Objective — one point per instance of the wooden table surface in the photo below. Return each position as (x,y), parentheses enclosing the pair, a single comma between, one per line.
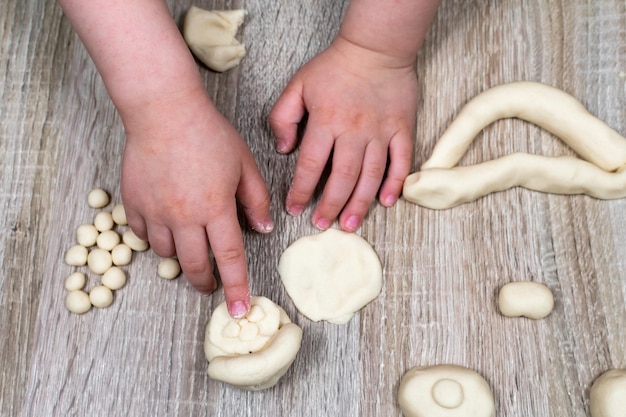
(61,137)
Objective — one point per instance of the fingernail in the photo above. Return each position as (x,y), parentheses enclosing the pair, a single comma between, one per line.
(264,227)
(238,309)
(390,200)
(295,209)
(281,146)
(322,223)
(352,223)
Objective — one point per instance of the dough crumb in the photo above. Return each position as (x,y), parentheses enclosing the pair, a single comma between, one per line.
(211,37)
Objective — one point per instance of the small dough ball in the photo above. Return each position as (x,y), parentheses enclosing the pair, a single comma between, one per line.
(119,215)
(108,239)
(103,221)
(525,299)
(101,296)
(607,397)
(86,235)
(75,281)
(132,240)
(76,255)
(78,302)
(168,268)
(98,198)
(252,352)
(99,261)
(445,390)
(121,254)
(211,37)
(114,278)
(331,275)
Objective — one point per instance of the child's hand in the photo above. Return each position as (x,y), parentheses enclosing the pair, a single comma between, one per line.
(184,165)
(361,108)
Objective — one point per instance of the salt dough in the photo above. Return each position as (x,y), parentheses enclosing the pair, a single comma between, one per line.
(211,37)
(331,275)
(445,391)
(525,299)
(602,174)
(607,397)
(252,352)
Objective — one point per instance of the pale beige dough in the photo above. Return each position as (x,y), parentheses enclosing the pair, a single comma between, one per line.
(99,261)
(108,239)
(101,296)
(114,278)
(441,185)
(76,281)
(445,391)
(97,198)
(76,255)
(607,397)
(168,268)
(86,235)
(211,37)
(77,301)
(331,275)
(121,254)
(103,221)
(525,299)
(119,215)
(134,242)
(253,352)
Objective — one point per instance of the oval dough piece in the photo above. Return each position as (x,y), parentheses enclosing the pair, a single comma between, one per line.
(607,397)
(445,391)
(253,352)
(331,275)
(525,299)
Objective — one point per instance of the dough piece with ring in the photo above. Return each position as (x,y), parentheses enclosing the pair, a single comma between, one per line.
(438,185)
(445,391)
(211,37)
(253,352)
(525,299)
(331,275)
(607,397)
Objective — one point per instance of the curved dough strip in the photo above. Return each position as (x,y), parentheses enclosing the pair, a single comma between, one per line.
(545,106)
(439,188)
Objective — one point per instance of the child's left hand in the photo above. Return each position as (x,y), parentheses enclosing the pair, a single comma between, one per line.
(361,108)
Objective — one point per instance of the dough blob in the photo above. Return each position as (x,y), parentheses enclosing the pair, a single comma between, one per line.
(331,275)
(608,394)
(253,352)
(525,299)
(445,391)
(211,37)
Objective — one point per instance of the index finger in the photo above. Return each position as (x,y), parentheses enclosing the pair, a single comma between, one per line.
(226,241)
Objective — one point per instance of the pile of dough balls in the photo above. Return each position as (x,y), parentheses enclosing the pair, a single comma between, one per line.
(104,246)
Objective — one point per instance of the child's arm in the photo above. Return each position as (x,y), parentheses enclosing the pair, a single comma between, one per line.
(184,164)
(361,97)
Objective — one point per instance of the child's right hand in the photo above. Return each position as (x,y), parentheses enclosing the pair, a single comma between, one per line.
(184,166)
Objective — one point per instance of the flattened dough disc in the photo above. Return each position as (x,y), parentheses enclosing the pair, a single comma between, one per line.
(331,275)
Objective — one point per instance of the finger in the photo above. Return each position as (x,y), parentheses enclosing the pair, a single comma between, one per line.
(161,240)
(227,244)
(367,186)
(314,153)
(137,224)
(286,115)
(347,160)
(254,197)
(192,249)
(400,156)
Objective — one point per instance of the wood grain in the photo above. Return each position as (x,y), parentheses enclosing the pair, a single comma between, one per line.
(60,137)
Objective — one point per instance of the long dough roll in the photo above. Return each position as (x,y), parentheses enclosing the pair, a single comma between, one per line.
(440,188)
(545,106)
